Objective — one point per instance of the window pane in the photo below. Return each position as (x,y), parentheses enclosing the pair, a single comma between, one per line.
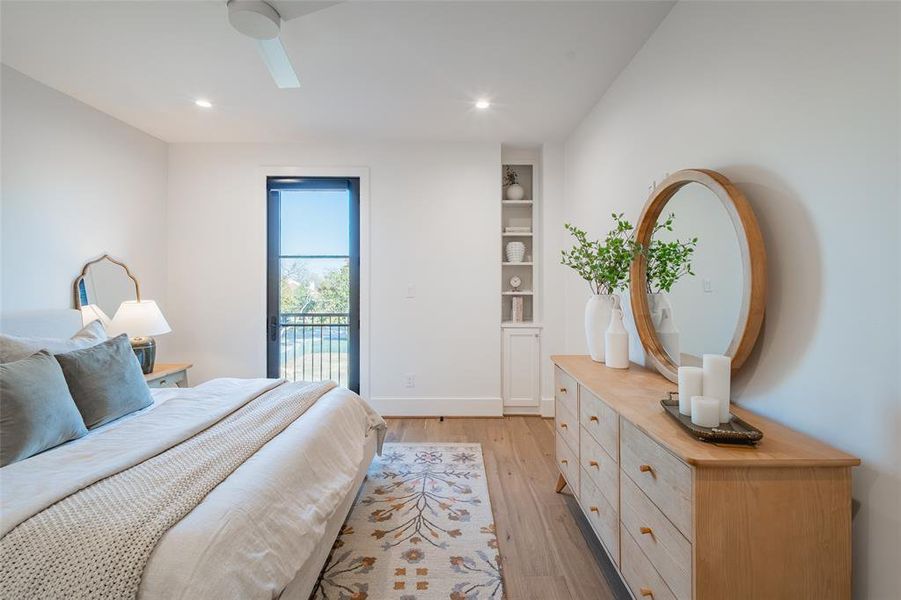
(315,222)
(314,285)
(313,336)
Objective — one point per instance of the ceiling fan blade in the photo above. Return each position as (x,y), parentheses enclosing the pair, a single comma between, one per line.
(291,9)
(278,63)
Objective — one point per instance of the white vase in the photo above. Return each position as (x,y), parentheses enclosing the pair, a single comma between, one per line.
(515,192)
(669,336)
(656,303)
(616,342)
(597,319)
(515,251)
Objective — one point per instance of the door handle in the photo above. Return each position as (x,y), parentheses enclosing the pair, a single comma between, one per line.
(273,329)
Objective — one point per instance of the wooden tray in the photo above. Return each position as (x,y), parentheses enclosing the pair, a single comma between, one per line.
(736,431)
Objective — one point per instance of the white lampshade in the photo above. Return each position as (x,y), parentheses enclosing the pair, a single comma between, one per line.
(139,319)
(92,312)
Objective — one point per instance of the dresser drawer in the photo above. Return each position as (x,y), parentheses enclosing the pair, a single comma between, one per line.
(661,542)
(566,391)
(665,479)
(602,515)
(568,465)
(640,575)
(567,428)
(602,469)
(600,421)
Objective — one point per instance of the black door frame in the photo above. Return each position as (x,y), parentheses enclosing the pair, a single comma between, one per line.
(273,254)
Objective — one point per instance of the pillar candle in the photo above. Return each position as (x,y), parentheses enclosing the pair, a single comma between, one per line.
(705,411)
(717,381)
(691,382)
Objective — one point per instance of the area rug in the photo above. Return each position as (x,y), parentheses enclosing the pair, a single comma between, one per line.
(421,529)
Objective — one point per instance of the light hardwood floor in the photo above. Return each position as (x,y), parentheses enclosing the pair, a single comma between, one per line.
(545,546)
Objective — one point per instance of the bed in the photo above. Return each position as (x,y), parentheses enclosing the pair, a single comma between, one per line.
(265,531)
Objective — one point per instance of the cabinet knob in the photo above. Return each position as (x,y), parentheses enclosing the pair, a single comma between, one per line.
(563,390)
(646,469)
(593,419)
(564,462)
(646,530)
(563,426)
(593,463)
(594,509)
(646,592)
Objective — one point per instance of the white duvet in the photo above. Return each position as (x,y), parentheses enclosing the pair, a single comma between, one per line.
(249,537)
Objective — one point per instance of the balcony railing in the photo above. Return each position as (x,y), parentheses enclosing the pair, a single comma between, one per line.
(313,346)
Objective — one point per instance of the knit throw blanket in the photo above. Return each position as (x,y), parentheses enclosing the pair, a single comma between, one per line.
(96,542)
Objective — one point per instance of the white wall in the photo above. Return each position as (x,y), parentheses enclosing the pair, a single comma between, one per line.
(434,224)
(552,276)
(798,104)
(76,183)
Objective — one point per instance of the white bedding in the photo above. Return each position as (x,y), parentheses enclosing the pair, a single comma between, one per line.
(249,537)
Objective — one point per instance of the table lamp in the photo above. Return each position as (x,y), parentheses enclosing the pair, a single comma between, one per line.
(92,312)
(141,319)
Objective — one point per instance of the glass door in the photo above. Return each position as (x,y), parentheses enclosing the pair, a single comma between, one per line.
(314,280)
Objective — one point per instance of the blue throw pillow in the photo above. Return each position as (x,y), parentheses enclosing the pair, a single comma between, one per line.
(37,411)
(105,380)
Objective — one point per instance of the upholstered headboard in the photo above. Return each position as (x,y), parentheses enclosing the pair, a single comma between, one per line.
(61,323)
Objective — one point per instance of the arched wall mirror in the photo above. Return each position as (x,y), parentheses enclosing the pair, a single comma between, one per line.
(700,286)
(105,283)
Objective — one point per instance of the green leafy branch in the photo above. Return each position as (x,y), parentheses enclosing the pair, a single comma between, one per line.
(605,266)
(668,262)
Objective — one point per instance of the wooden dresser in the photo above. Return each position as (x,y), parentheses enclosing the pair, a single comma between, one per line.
(684,519)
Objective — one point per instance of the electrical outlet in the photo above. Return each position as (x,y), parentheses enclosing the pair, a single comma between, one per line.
(708,286)
(410,380)
(411,290)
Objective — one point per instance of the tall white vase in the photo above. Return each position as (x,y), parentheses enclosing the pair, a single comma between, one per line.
(597,319)
(616,342)
(657,302)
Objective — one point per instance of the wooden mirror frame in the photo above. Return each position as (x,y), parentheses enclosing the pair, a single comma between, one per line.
(753,258)
(76,297)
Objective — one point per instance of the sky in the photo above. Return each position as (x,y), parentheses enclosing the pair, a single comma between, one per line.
(315,222)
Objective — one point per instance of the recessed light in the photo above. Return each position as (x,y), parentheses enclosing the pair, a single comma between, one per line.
(482,104)
(203,103)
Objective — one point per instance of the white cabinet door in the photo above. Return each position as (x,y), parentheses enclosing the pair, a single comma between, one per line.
(521,364)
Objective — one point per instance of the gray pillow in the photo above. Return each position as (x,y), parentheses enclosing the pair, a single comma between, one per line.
(37,411)
(106,381)
(14,347)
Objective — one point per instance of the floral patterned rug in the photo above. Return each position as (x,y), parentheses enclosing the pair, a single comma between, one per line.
(421,529)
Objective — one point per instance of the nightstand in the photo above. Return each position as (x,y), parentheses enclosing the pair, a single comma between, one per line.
(168,375)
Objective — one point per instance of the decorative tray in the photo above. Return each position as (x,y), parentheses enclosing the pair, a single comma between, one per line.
(736,431)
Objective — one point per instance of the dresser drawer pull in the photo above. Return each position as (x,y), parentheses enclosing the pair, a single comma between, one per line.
(646,592)
(593,463)
(563,426)
(646,469)
(593,419)
(645,531)
(564,462)
(594,509)
(563,390)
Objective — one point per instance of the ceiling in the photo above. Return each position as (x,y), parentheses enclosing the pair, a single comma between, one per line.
(383,70)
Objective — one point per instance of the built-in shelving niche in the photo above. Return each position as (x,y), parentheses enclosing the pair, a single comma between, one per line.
(519,213)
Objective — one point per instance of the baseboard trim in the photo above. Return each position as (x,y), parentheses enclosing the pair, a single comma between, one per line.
(547,407)
(438,407)
(522,411)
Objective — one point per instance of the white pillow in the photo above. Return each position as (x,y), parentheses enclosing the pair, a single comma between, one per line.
(13,347)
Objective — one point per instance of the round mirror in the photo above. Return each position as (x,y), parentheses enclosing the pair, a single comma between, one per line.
(105,284)
(698,288)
